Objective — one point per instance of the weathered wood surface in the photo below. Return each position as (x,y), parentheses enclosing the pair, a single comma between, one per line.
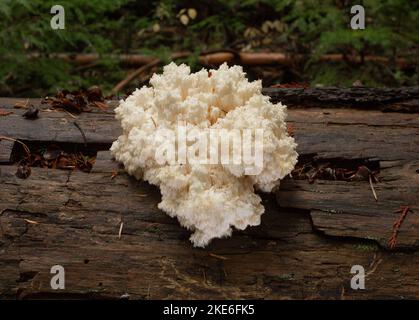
(403,99)
(6,147)
(304,248)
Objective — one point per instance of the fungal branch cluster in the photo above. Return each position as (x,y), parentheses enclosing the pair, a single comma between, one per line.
(209,198)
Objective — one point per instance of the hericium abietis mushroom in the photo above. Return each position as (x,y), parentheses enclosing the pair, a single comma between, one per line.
(208,139)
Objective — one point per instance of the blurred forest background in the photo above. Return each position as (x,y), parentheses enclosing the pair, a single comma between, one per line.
(36,60)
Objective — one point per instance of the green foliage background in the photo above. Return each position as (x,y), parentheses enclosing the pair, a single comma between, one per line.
(312,28)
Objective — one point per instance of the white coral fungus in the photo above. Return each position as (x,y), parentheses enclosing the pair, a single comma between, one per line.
(208,199)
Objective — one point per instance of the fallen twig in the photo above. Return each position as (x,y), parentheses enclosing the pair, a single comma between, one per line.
(372,188)
(25,147)
(4,113)
(217,256)
(120,230)
(403,210)
(133,75)
(154,62)
(21,104)
(101,105)
(31,221)
(68,112)
(374,265)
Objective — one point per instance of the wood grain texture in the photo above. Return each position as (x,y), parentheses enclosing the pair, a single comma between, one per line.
(310,236)
(341,208)
(77,222)
(403,99)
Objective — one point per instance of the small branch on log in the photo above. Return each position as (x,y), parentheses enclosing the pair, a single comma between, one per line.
(139,71)
(396,226)
(120,230)
(25,147)
(4,113)
(133,75)
(372,188)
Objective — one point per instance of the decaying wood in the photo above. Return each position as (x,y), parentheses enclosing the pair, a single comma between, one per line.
(310,236)
(403,99)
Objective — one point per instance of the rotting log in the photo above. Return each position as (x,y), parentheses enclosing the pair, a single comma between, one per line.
(311,234)
(403,99)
